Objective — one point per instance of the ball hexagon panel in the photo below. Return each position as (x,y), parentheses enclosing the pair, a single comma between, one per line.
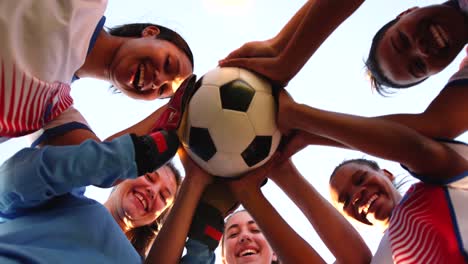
(227,164)
(258,150)
(220,76)
(260,84)
(205,106)
(236,95)
(201,143)
(233,132)
(262,114)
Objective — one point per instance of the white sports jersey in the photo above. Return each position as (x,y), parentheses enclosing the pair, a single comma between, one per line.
(43,43)
(430,224)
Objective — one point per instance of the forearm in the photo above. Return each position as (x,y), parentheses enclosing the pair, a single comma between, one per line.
(335,231)
(378,137)
(143,127)
(169,244)
(284,36)
(277,231)
(34,175)
(445,117)
(321,18)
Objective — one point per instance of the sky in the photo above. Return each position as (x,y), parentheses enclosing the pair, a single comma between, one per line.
(333,79)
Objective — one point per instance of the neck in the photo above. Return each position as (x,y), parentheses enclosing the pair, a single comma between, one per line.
(99,59)
(109,205)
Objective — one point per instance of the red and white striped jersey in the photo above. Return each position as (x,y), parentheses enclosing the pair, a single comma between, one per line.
(430,226)
(43,43)
(28,103)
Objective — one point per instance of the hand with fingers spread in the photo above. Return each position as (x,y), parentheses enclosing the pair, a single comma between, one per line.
(262,57)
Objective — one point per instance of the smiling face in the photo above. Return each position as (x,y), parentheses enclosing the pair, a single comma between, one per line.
(138,202)
(148,68)
(365,194)
(244,242)
(421,43)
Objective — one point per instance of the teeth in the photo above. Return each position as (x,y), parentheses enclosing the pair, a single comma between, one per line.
(364,208)
(247,252)
(141,80)
(142,200)
(439,35)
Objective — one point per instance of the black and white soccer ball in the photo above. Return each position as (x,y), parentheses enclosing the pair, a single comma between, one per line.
(230,126)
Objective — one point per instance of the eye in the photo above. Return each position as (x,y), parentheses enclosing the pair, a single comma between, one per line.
(232,235)
(360,179)
(167,64)
(162,89)
(148,177)
(163,199)
(404,41)
(255,231)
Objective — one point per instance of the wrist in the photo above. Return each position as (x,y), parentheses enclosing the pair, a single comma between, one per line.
(207,225)
(198,178)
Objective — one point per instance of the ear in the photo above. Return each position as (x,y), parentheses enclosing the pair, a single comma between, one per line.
(407,11)
(275,258)
(388,174)
(150,31)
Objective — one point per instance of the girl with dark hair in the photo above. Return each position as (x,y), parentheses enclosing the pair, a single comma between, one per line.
(42,53)
(427,225)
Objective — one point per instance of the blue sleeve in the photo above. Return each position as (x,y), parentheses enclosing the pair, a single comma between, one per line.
(197,253)
(34,175)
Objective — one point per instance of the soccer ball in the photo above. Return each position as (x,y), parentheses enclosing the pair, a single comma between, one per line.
(230,125)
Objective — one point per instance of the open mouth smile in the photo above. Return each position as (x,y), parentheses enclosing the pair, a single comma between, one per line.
(439,36)
(142,200)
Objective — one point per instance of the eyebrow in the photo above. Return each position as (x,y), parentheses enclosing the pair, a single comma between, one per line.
(394,46)
(232,226)
(168,190)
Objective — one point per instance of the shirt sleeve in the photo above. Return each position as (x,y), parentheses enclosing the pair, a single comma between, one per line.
(458,181)
(197,253)
(34,175)
(71,119)
(461,76)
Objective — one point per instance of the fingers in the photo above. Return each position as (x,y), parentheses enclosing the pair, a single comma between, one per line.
(236,62)
(292,144)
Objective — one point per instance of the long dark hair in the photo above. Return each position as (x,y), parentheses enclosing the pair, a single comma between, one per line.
(134,30)
(379,81)
(142,237)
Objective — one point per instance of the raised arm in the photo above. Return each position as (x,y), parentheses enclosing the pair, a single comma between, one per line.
(34,175)
(295,43)
(336,232)
(376,136)
(273,226)
(445,117)
(169,244)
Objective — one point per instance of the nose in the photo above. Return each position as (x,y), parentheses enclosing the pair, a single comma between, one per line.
(421,49)
(150,193)
(244,238)
(160,79)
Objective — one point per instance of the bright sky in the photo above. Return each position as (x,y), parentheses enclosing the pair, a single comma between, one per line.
(333,79)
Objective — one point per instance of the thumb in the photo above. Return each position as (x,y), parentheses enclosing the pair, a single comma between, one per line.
(291,146)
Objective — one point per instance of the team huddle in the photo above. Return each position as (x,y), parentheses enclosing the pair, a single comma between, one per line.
(153,214)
